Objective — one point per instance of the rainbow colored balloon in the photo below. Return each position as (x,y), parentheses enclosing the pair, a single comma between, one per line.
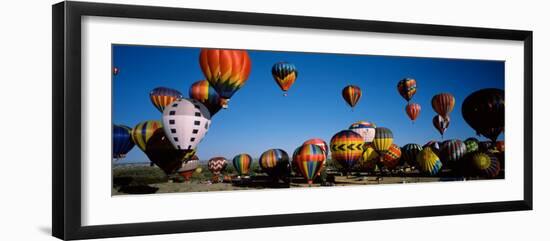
(407,88)
(390,159)
(226,70)
(309,160)
(346,148)
(351,94)
(275,162)
(284,74)
(319,142)
(368,159)
(162,96)
(242,164)
(204,93)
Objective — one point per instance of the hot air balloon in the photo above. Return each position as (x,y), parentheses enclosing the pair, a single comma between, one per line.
(284,74)
(217,165)
(471,144)
(428,162)
(383,139)
(351,94)
(162,96)
(452,151)
(390,158)
(143,131)
(443,104)
(122,141)
(483,110)
(409,154)
(226,70)
(204,93)
(346,148)
(407,88)
(319,142)
(309,159)
(161,152)
(365,129)
(188,167)
(499,146)
(434,145)
(275,162)
(413,110)
(186,121)
(242,164)
(115,70)
(368,159)
(441,123)
(485,164)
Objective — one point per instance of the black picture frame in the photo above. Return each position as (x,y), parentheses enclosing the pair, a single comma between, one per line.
(66,47)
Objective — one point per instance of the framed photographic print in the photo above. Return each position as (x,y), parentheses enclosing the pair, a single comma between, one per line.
(172,120)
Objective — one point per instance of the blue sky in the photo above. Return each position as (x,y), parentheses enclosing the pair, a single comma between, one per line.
(259,117)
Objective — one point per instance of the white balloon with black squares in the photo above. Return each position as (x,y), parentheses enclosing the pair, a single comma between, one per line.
(185,122)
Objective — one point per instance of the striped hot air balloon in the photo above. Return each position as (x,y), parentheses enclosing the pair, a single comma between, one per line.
(413,110)
(319,142)
(275,162)
(471,145)
(284,74)
(368,159)
(441,123)
(186,122)
(216,165)
(443,104)
(434,145)
(143,131)
(365,129)
(390,158)
(226,70)
(409,154)
(485,164)
(188,167)
(351,94)
(452,151)
(162,96)
(242,164)
(346,148)
(383,139)
(204,93)
(122,141)
(428,162)
(309,159)
(407,88)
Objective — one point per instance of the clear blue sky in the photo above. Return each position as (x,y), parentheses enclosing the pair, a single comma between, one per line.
(259,117)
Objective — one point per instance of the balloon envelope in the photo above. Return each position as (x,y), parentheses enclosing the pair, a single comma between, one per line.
(441,123)
(351,94)
(204,93)
(407,88)
(143,131)
(275,162)
(216,165)
(365,129)
(413,110)
(443,104)
(390,159)
(319,142)
(242,163)
(186,123)
(122,141)
(226,70)
(162,96)
(284,74)
(409,153)
(428,162)
(309,159)
(483,110)
(383,139)
(346,148)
